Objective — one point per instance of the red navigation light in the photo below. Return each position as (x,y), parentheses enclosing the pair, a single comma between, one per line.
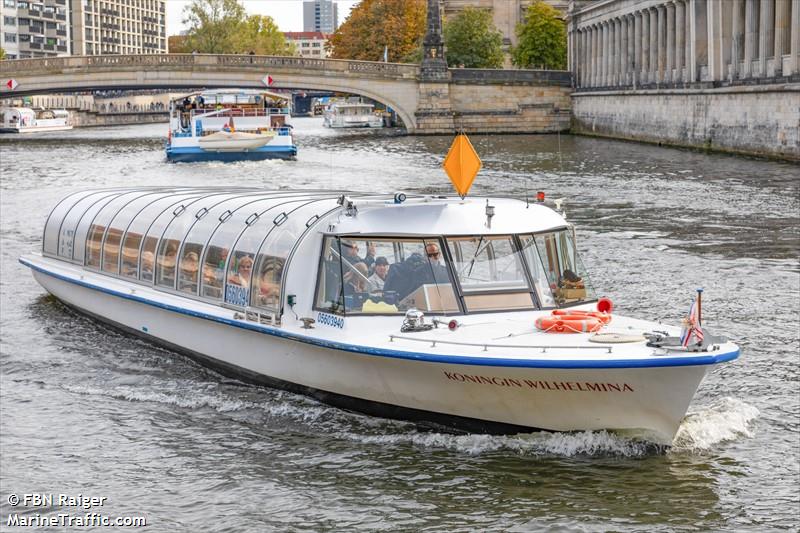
(605,305)
(540,196)
(453,325)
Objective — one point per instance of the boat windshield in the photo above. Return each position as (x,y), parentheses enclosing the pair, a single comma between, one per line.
(384,276)
(556,269)
(379,275)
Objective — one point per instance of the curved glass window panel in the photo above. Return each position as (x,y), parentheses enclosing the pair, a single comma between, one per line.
(172,237)
(196,238)
(112,245)
(146,230)
(541,282)
(56,217)
(97,230)
(85,225)
(229,225)
(330,297)
(275,250)
(241,262)
(66,232)
(491,273)
(566,276)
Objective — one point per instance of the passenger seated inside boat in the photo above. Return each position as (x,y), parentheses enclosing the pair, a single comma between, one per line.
(241,271)
(356,284)
(148,260)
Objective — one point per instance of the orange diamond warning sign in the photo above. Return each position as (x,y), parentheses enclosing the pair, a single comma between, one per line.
(462,164)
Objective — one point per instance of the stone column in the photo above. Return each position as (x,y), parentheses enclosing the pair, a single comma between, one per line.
(631,66)
(584,55)
(782,10)
(737,38)
(794,60)
(662,44)
(719,38)
(645,63)
(766,45)
(606,54)
(670,42)
(688,51)
(595,55)
(680,39)
(653,45)
(750,37)
(618,54)
(699,38)
(637,48)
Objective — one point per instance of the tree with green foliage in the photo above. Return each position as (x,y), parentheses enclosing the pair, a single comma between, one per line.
(472,40)
(373,26)
(213,25)
(2,54)
(542,39)
(259,34)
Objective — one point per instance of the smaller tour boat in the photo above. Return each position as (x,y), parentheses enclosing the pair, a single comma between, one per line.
(351,115)
(227,125)
(27,120)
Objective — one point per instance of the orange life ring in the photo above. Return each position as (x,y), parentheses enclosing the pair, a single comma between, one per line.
(568,324)
(605,318)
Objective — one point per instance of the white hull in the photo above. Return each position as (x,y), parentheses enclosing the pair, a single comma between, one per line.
(34,129)
(649,401)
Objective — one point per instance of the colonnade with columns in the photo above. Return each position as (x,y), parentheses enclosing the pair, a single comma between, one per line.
(644,43)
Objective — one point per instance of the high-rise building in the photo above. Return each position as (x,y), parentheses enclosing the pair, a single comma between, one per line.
(34,28)
(101,27)
(321,16)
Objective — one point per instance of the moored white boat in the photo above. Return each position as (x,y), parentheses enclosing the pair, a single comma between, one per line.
(27,120)
(321,292)
(346,114)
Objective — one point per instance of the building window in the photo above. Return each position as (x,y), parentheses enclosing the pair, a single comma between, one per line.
(10,3)
(10,37)
(10,21)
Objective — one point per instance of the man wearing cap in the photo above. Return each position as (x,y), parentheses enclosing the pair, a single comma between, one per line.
(377,279)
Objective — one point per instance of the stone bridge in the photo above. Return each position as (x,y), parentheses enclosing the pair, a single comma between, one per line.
(519,101)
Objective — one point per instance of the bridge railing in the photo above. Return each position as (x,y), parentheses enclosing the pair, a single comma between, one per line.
(21,67)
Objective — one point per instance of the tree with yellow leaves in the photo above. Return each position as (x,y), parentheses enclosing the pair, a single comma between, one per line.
(373,26)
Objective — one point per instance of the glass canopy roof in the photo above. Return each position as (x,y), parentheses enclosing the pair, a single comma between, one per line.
(220,244)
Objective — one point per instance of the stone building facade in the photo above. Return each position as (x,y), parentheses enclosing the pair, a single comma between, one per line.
(671,43)
(718,74)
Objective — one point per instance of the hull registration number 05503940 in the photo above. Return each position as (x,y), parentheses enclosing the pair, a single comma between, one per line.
(330,320)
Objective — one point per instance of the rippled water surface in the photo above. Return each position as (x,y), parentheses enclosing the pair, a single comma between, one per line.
(86,409)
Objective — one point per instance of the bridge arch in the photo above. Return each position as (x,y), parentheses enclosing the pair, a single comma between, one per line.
(393,84)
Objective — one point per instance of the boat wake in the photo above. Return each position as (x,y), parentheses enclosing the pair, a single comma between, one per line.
(700,431)
(724,421)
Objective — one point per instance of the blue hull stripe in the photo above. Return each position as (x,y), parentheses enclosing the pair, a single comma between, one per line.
(664,361)
(195,153)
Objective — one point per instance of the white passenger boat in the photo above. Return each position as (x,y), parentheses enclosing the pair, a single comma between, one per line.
(351,115)
(27,120)
(470,314)
(230,125)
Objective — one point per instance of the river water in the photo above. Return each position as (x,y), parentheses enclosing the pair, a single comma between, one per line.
(87,410)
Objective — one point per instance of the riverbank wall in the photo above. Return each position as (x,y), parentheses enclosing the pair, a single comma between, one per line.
(761,120)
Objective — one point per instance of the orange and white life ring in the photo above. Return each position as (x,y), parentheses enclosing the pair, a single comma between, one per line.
(605,318)
(568,324)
